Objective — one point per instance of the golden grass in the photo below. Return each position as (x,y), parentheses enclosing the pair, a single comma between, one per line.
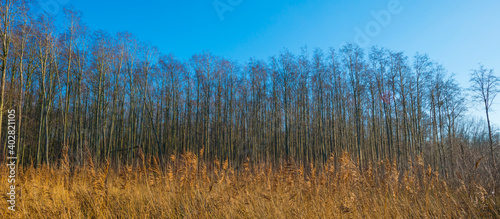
(189,188)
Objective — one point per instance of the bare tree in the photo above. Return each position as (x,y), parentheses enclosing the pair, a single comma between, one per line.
(485,87)
(6,20)
(116,94)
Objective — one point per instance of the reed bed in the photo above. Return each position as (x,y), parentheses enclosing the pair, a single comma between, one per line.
(185,187)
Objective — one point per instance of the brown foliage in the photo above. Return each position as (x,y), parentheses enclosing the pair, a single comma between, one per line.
(193,188)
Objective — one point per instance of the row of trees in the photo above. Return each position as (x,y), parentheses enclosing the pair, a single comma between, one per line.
(113,94)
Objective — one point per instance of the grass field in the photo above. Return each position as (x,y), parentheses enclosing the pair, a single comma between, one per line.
(189,188)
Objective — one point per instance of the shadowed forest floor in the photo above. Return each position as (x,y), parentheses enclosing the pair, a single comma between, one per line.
(189,188)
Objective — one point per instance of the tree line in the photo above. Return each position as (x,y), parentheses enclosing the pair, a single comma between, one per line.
(112,95)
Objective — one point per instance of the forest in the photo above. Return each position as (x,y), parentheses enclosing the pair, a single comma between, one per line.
(90,97)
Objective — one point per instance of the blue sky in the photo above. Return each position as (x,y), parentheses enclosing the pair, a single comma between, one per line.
(458,34)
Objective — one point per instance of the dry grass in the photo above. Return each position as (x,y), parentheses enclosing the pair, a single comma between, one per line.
(189,188)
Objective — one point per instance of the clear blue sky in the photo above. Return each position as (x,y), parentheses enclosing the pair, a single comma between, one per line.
(457,33)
